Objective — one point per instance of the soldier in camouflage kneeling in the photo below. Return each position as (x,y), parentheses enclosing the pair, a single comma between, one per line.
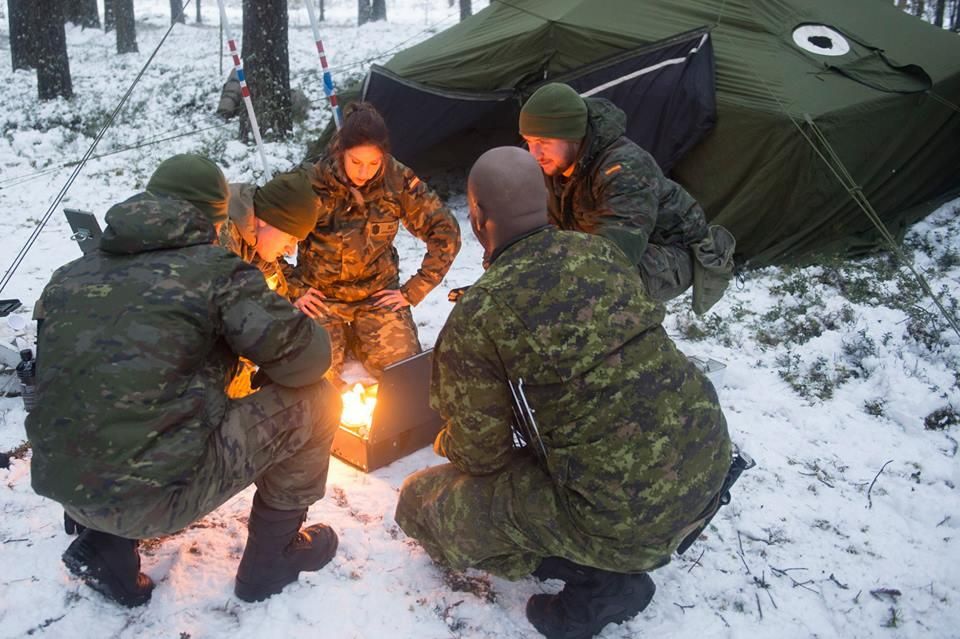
(133,432)
(630,444)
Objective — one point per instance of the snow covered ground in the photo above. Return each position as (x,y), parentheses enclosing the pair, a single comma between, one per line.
(825,389)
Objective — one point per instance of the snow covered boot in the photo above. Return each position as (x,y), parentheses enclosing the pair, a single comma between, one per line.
(110,565)
(590,600)
(278,550)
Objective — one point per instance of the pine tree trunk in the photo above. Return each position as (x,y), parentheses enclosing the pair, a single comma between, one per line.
(466,9)
(321,8)
(938,16)
(199,17)
(176,12)
(126,26)
(920,8)
(82,12)
(53,66)
(378,10)
(267,66)
(23,42)
(108,20)
(956,16)
(363,12)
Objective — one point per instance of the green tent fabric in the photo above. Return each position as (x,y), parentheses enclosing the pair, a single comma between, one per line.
(861,69)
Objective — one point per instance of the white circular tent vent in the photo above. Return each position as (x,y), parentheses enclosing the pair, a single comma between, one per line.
(820,39)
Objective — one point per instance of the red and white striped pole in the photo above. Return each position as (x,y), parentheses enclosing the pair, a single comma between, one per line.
(244,90)
(328,87)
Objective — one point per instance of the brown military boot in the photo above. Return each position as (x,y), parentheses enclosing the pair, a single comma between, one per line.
(110,565)
(590,600)
(278,550)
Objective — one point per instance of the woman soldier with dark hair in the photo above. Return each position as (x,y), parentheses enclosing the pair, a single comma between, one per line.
(347,274)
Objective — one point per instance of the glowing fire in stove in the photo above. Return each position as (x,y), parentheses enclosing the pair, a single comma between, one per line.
(358,405)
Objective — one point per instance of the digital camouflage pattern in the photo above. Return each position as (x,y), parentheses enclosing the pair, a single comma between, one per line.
(378,336)
(637,443)
(350,254)
(136,344)
(618,190)
(239,236)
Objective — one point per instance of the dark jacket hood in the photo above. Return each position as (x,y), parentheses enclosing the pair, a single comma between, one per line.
(606,123)
(148,222)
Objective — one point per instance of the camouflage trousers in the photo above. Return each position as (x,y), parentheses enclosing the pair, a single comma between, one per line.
(666,271)
(377,336)
(278,438)
(507,522)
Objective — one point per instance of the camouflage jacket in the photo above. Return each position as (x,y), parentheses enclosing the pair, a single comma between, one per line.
(634,433)
(136,343)
(618,190)
(239,236)
(350,254)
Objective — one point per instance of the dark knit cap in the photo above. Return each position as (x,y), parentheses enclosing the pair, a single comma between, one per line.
(554,111)
(195,179)
(288,203)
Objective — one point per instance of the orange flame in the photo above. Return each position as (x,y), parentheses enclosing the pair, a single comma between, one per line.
(358,405)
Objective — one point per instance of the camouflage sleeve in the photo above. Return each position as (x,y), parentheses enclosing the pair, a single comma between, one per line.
(266,329)
(470,392)
(425,216)
(295,287)
(625,190)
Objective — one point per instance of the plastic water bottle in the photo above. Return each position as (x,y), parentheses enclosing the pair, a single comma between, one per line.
(26,371)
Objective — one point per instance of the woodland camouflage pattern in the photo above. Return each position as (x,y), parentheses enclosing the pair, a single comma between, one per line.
(136,344)
(350,254)
(618,190)
(239,236)
(637,444)
(376,336)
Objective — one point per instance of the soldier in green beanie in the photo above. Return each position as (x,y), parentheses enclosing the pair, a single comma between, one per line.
(133,431)
(265,223)
(601,182)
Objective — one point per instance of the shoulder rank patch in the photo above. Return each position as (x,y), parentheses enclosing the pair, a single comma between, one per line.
(413,183)
(613,169)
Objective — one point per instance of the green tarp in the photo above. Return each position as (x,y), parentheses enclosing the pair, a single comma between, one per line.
(861,69)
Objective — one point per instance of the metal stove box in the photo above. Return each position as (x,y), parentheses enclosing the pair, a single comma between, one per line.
(403,421)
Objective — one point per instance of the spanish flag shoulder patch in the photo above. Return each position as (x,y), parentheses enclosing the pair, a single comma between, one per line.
(613,169)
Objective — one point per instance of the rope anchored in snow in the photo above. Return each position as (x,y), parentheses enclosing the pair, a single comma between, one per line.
(8,275)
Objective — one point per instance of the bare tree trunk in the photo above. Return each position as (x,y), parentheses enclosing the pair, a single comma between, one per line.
(378,10)
(23,42)
(363,12)
(939,11)
(108,20)
(53,66)
(199,17)
(920,8)
(267,65)
(126,26)
(956,16)
(82,12)
(466,9)
(321,8)
(176,12)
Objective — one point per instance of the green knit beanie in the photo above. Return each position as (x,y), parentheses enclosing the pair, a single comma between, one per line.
(288,203)
(554,111)
(195,179)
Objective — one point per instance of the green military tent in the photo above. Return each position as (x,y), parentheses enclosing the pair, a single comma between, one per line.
(882,85)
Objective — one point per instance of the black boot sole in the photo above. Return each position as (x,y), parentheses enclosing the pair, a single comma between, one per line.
(91,575)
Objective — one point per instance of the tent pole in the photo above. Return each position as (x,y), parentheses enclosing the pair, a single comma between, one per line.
(328,87)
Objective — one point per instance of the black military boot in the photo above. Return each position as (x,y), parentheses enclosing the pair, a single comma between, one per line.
(110,565)
(278,551)
(590,600)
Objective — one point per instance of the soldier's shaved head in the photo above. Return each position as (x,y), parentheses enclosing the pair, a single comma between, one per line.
(507,196)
